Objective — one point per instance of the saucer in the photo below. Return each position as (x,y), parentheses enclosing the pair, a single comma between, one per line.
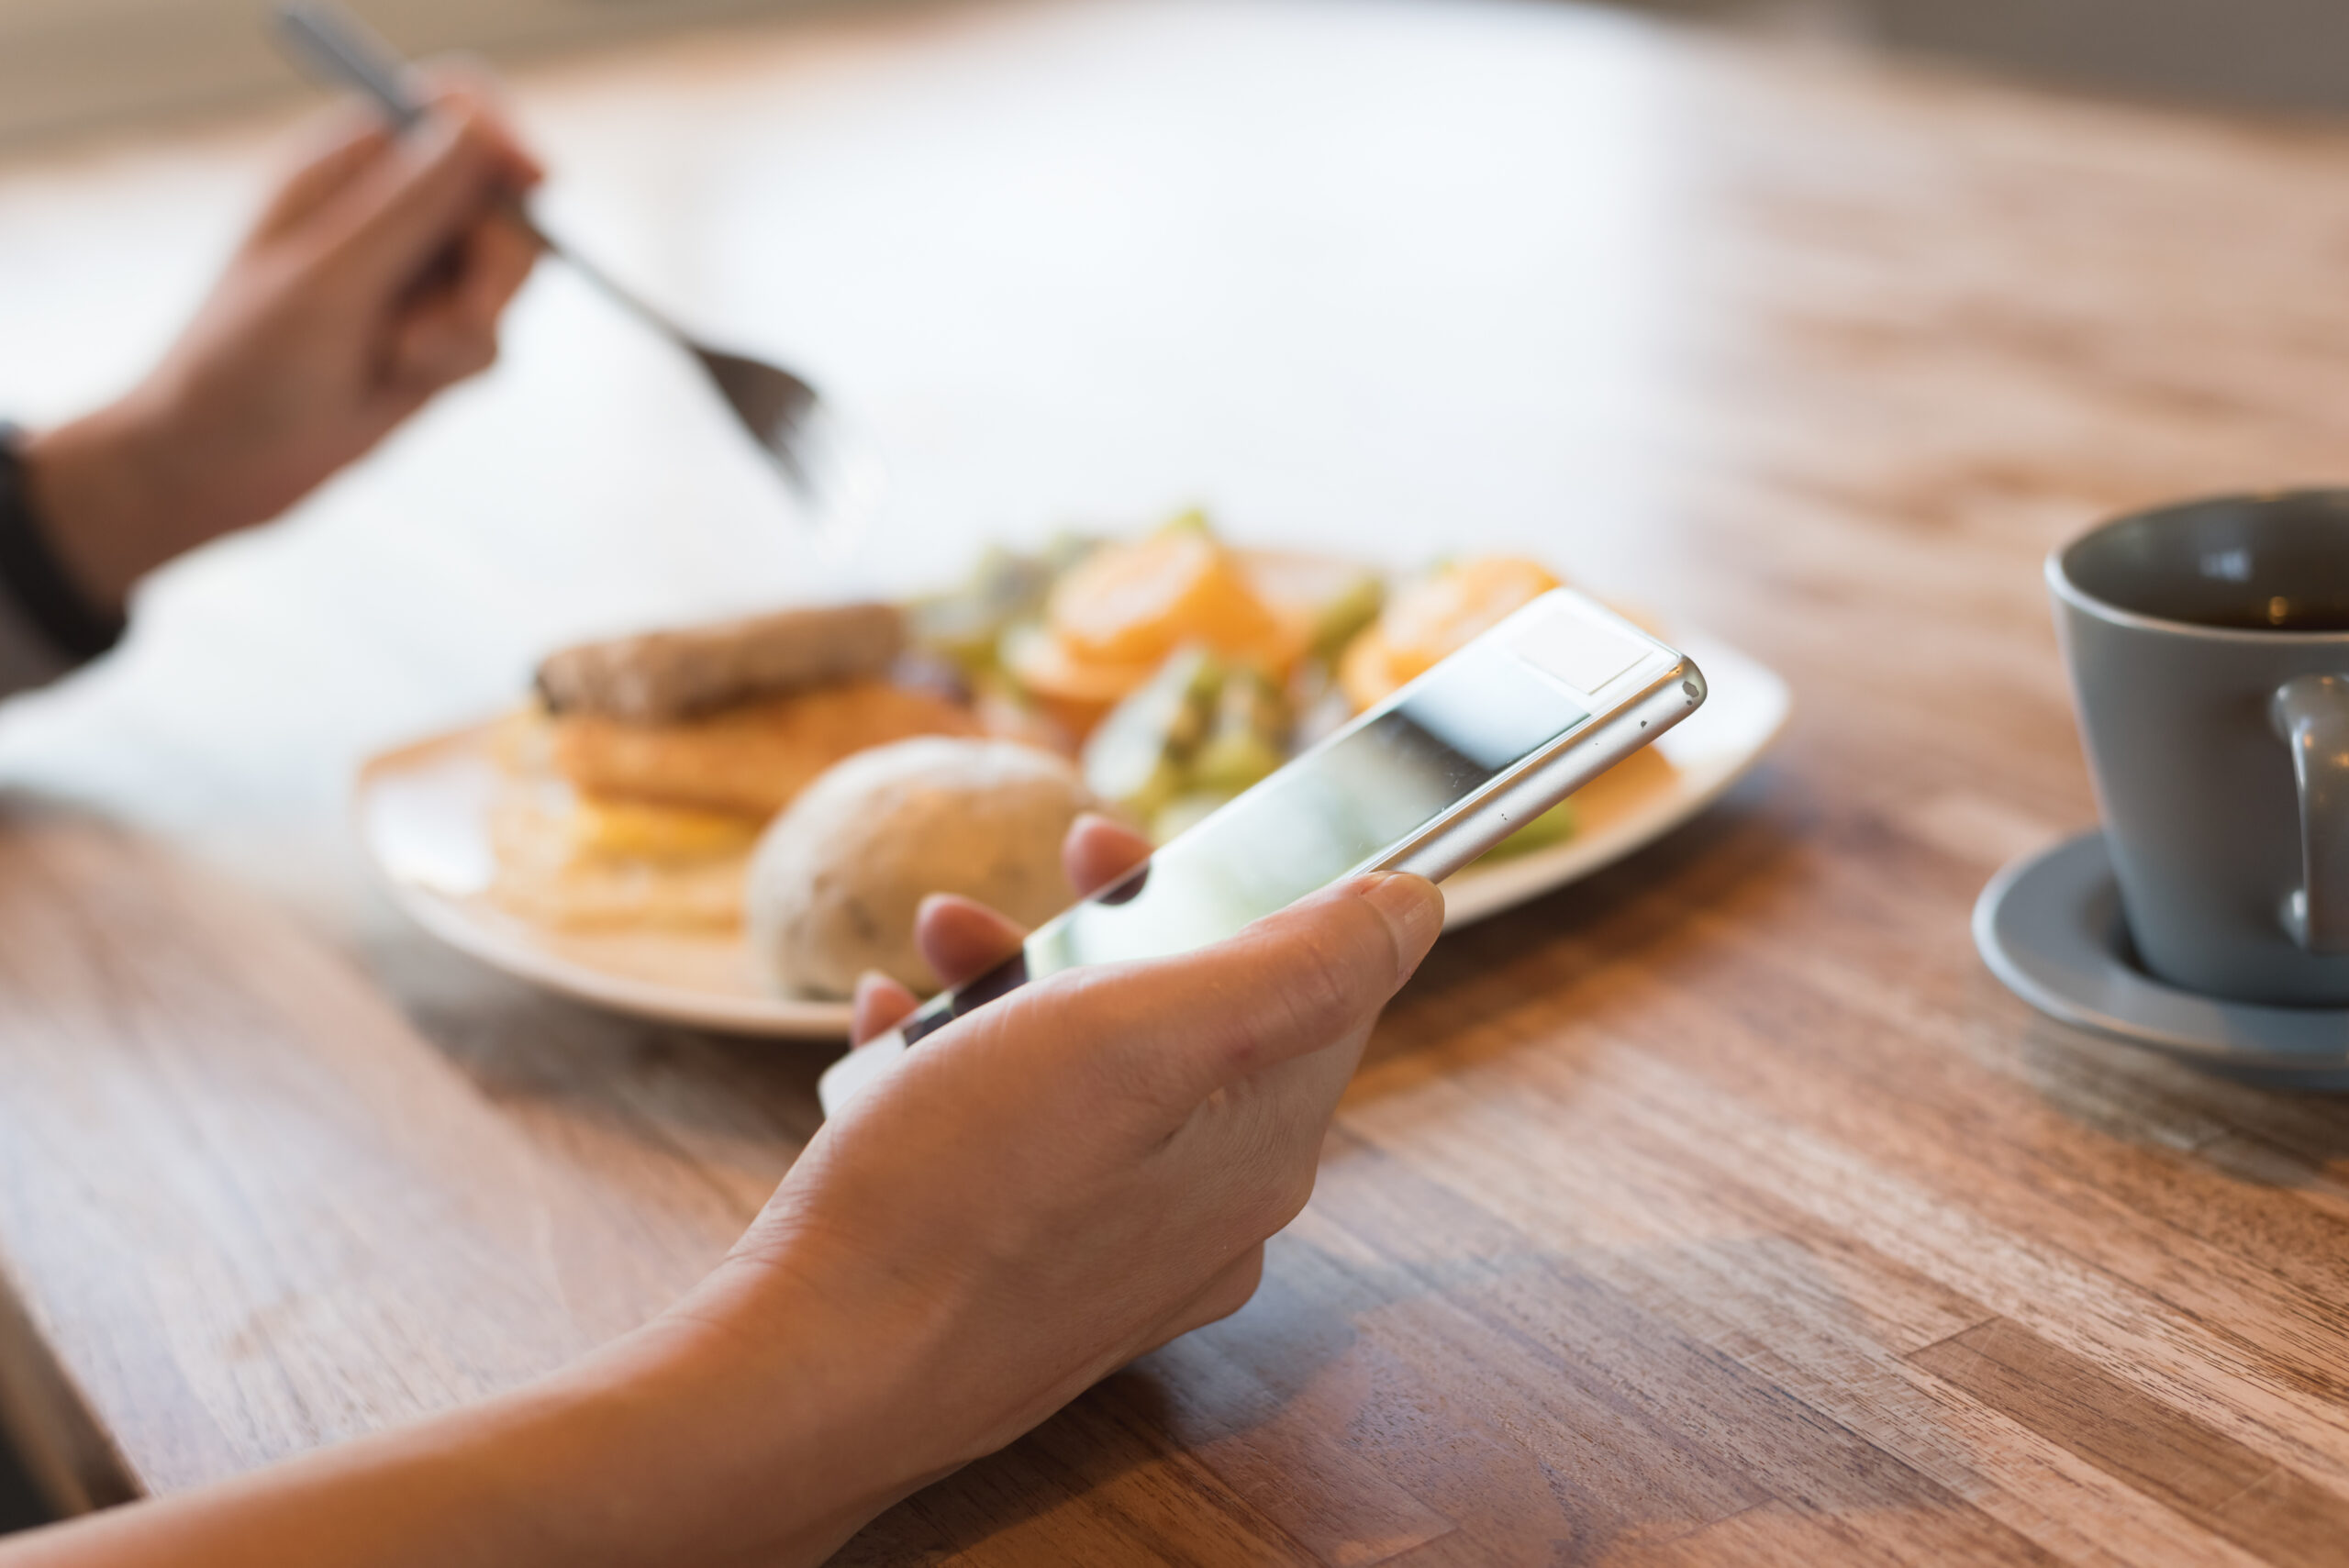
(2049,926)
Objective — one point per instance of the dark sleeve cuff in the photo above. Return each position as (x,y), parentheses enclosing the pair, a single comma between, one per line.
(32,575)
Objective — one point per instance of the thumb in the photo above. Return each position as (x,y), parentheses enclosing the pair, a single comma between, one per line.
(1173,1032)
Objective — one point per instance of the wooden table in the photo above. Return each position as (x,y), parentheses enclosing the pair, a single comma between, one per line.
(1721,1210)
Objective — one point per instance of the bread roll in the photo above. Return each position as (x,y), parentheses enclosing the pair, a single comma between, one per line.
(836,881)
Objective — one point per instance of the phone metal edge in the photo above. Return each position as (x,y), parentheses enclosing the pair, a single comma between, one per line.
(1474,826)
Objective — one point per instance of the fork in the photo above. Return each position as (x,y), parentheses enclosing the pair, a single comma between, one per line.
(783,413)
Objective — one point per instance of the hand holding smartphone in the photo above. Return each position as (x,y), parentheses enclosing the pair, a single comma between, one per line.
(1425,782)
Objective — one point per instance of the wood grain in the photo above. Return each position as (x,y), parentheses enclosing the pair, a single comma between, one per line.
(1719,1210)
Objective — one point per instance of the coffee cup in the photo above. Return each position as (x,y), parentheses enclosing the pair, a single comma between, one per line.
(2208,650)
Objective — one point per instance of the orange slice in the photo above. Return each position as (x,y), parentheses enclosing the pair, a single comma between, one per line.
(1134,603)
(1434,619)
(1321,600)
(1368,671)
(1076,692)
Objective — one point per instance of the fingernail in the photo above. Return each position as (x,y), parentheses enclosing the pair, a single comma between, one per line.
(1413,910)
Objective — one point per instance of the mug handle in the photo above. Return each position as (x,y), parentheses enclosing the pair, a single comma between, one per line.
(2312,713)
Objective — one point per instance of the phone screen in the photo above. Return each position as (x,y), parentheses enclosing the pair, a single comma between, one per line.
(1334,809)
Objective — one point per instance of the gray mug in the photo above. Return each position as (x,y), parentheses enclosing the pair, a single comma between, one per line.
(2208,647)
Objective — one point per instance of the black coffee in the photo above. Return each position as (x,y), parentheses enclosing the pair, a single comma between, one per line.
(2277,613)
(2240,562)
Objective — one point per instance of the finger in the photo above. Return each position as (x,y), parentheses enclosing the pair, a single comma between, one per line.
(406,210)
(347,142)
(451,332)
(434,344)
(350,137)
(1175,1030)
(1098,851)
(1231,1288)
(457,79)
(961,939)
(499,256)
(881,1005)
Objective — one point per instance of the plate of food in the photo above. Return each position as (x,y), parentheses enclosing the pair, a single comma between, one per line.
(720,826)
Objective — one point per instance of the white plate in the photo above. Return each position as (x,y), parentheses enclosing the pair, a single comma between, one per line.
(423,813)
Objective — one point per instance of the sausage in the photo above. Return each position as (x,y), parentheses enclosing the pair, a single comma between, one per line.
(661,677)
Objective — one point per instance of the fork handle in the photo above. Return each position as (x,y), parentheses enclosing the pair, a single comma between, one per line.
(338,46)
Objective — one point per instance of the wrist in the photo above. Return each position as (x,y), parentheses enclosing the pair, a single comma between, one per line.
(719,1434)
(673,1445)
(104,489)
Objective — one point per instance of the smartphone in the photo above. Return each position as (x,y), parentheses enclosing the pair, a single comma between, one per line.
(1425,782)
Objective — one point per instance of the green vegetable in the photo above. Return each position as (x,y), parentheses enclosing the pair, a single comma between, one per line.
(1194,735)
(1342,616)
(1232,762)
(966,623)
(1138,757)
(1251,721)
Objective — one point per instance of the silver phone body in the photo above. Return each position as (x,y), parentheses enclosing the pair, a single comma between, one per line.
(1424,781)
